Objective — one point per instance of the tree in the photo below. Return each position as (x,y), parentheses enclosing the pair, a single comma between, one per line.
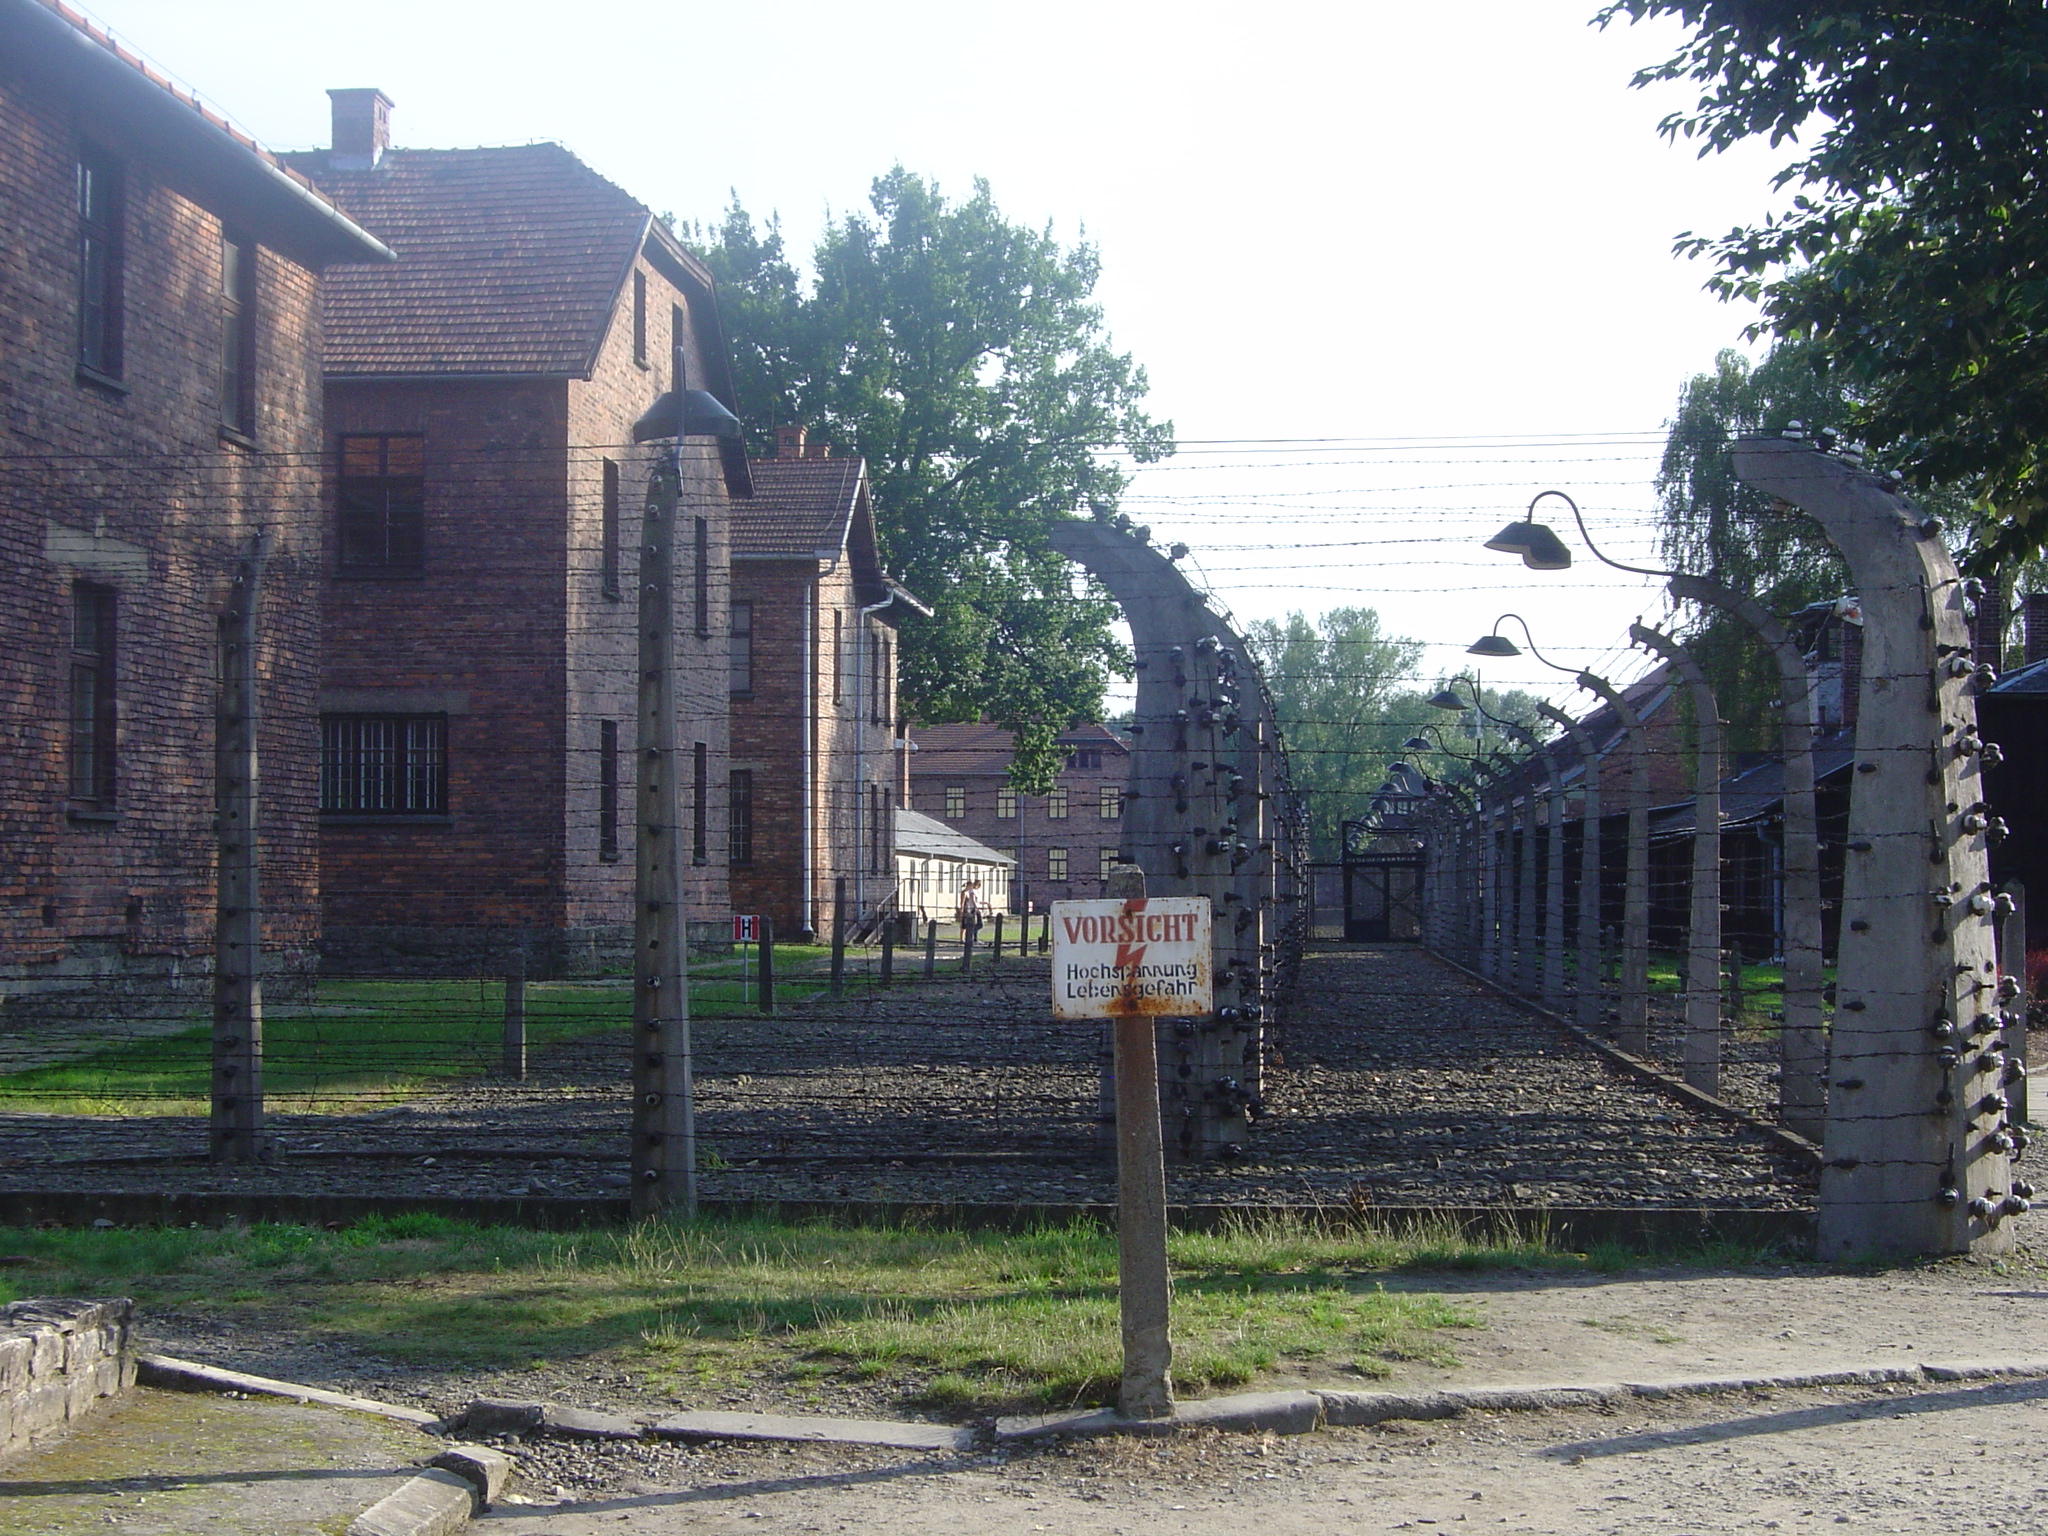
(964,357)
(1915,253)
(1713,525)
(1344,699)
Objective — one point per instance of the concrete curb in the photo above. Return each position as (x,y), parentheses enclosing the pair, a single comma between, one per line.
(1294,1413)
(173,1375)
(796,1427)
(435,1503)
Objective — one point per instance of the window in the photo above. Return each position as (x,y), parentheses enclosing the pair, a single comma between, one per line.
(608,790)
(701,577)
(740,625)
(837,670)
(92,764)
(383,503)
(878,836)
(884,691)
(956,801)
(1085,757)
(700,803)
(1108,862)
(1111,804)
(1056,865)
(640,317)
(1056,803)
(1006,803)
(739,798)
(384,765)
(237,335)
(99,264)
(609,532)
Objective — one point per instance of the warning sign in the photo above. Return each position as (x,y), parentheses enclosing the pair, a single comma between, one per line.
(1149,956)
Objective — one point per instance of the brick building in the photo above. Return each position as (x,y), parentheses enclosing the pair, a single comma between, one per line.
(1063,842)
(159,301)
(817,751)
(480,553)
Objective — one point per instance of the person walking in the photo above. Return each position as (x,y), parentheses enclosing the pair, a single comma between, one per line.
(969,914)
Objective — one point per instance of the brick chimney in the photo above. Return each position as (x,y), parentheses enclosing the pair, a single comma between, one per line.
(789,442)
(2037,627)
(817,450)
(1987,626)
(362,128)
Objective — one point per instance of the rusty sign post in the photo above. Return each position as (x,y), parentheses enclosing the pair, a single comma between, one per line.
(1136,961)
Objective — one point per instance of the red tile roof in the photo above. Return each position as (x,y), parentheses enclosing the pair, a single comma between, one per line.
(802,509)
(510,261)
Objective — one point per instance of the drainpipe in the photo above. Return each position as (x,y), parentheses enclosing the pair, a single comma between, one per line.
(806,911)
(860,743)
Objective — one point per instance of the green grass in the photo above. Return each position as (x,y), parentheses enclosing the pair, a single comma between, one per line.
(967,1321)
(358,1043)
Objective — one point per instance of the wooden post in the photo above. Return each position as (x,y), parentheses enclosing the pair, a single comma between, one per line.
(966,950)
(664,1151)
(235,1129)
(839,935)
(767,973)
(1045,932)
(931,948)
(515,1016)
(888,951)
(995,952)
(1144,1286)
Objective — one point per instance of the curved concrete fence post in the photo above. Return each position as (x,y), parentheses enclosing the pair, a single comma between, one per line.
(1632,993)
(1586,970)
(1917,1145)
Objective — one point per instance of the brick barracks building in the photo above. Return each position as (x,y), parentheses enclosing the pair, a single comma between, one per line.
(1063,842)
(160,289)
(818,752)
(478,563)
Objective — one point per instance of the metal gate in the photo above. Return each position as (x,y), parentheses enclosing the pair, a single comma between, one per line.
(1383,897)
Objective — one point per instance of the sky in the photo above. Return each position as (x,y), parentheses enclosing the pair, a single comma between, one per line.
(1392,268)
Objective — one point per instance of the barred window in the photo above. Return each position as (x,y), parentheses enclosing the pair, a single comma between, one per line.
(92,693)
(740,621)
(1056,803)
(384,765)
(1111,805)
(1056,865)
(1006,803)
(383,503)
(740,814)
(237,334)
(608,790)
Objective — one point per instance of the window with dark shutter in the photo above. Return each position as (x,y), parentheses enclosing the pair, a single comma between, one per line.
(383,504)
(609,532)
(100,254)
(740,816)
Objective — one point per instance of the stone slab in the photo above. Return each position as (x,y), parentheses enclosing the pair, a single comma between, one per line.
(172,1374)
(502,1416)
(485,1470)
(587,1424)
(436,1503)
(1281,1413)
(776,1426)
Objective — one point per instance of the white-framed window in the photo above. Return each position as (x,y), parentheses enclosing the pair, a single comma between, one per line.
(1006,804)
(1056,803)
(956,801)
(1110,805)
(1056,865)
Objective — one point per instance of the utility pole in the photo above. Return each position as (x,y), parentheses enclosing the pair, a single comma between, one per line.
(664,1111)
(235,1128)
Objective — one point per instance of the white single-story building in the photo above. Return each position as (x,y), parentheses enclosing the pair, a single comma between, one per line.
(934,863)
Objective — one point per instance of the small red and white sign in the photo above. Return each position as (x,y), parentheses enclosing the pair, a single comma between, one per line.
(1115,958)
(745,930)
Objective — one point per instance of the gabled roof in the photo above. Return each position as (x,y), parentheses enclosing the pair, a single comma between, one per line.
(970,747)
(921,837)
(511,261)
(803,509)
(119,98)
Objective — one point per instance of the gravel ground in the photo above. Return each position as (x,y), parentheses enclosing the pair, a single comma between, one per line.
(1395,1080)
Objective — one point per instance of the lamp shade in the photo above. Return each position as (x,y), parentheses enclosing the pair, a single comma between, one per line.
(1546,551)
(1415,744)
(1443,698)
(1493,645)
(693,413)
(1513,539)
